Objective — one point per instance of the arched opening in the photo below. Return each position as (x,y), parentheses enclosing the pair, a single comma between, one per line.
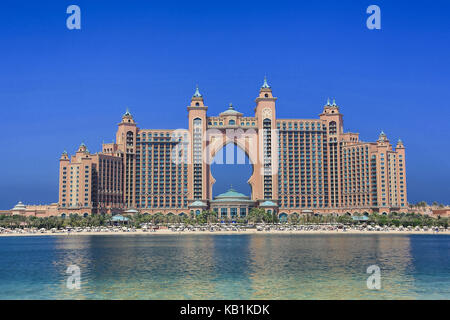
(384,214)
(85,214)
(182,214)
(63,215)
(283,217)
(332,127)
(231,166)
(232,122)
(366,214)
(130,138)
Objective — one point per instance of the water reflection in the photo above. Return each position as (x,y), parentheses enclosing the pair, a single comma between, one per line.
(225,267)
(328,267)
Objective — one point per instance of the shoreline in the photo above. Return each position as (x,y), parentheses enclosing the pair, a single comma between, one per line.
(251,231)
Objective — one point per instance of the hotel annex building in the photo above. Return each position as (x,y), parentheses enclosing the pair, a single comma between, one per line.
(303,166)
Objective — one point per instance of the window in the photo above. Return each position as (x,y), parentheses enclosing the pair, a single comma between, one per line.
(223,212)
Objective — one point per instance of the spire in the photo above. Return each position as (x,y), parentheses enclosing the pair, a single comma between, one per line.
(328,102)
(64,155)
(197,93)
(127,113)
(334,103)
(382,136)
(82,147)
(265,84)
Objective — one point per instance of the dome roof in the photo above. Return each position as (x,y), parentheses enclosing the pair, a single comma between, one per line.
(231,112)
(231,194)
(19,206)
(268,203)
(198,203)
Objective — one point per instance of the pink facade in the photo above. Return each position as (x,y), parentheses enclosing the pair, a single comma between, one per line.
(304,166)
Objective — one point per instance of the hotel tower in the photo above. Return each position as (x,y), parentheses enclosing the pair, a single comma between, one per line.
(303,166)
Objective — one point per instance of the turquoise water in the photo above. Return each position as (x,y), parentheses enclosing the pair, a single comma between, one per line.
(260,266)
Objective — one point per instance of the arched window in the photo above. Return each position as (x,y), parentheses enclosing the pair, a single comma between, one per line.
(232,122)
(130,137)
(333,129)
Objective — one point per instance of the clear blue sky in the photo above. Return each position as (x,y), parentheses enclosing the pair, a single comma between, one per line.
(59,87)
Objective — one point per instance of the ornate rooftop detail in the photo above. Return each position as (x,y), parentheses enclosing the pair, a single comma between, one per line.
(197,93)
(265,84)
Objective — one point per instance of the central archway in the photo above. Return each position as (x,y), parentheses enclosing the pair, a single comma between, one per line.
(231,167)
(247,142)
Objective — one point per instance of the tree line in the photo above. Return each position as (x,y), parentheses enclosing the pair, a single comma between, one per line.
(256,215)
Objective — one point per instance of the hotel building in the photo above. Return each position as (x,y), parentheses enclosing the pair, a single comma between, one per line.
(303,166)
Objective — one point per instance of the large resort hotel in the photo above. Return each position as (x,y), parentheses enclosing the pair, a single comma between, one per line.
(303,166)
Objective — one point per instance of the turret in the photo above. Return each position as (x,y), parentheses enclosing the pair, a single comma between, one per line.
(334,118)
(197,99)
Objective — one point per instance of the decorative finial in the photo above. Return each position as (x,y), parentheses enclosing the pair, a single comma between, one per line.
(127,113)
(328,102)
(197,93)
(265,84)
(230,106)
(334,103)
(382,136)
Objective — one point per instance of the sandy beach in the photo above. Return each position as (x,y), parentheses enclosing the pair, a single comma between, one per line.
(248,231)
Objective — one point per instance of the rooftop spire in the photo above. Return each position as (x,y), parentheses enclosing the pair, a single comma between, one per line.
(334,102)
(382,136)
(265,84)
(127,113)
(197,93)
(328,102)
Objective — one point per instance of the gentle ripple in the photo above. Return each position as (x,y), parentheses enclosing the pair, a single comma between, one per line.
(234,266)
